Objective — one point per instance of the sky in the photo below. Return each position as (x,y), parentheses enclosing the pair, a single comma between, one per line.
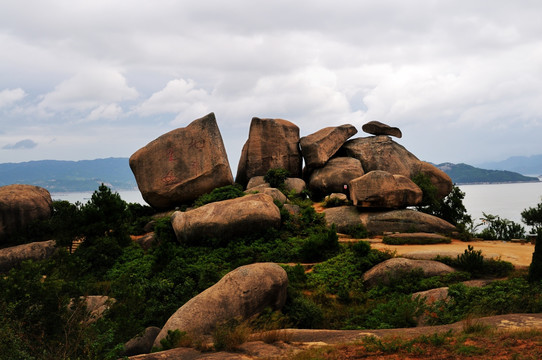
(96,79)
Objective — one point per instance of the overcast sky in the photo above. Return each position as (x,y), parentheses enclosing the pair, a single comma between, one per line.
(95,79)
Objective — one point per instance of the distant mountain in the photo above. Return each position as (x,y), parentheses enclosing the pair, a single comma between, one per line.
(526,165)
(467,174)
(66,176)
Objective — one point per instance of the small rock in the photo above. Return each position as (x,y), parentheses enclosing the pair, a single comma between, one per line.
(378,128)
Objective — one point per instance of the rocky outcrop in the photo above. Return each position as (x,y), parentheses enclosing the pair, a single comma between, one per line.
(394,268)
(141,344)
(13,256)
(229,218)
(241,293)
(276,194)
(320,146)
(382,153)
(21,205)
(405,221)
(271,144)
(378,128)
(290,184)
(178,167)
(336,173)
(380,189)
(344,217)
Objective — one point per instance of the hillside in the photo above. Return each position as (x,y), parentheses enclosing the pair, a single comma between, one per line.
(467,174)
(66,176)
(526,165)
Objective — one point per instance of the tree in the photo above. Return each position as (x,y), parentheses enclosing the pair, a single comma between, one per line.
(533,217)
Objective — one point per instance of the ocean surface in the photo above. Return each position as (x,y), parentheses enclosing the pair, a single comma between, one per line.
(504,200)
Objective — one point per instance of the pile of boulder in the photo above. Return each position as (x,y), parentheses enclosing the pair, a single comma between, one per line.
(374,172)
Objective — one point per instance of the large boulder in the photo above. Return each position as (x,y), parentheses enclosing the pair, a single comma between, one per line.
(394,268)
(228,218)
(13,256)
(378,128)
(241,293)
(382,153)
(380,189)
(290,184)
(141,344)
(332,177)
(271,144)
(405,221)
(21,205)
(344,217)
(319,147)
(179,166)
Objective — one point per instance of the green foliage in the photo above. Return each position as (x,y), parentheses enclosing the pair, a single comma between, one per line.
(399,311)
(395,240)
(276,177)
(533,216)
(220,194)
(320,245)
(303,312)
(174,339)
(230,334)
(535,269)
(361,248)
(451,208)
(357,231)
(334,202)
(500,229)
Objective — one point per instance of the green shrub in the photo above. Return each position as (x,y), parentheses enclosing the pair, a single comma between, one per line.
(230,334)
(220,194)
(319,246)
(396,240)
(174,339)
(357,231)
(303,312)
(500,229)
(471,260)
(334,202)
(276,177)
(400,311)
(361,248)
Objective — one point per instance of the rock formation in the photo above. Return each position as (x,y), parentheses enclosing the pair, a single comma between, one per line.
(382,153)
(380,189)
(141,344)
(21,205)
(320,146)
(393,268)
(178,167)
(271,144)
(336,173)
(241,293)
(378,128)
(13,256)
(228,218)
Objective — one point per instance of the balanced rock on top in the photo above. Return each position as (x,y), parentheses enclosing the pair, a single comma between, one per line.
(378,128)
(179,166)
(319,147)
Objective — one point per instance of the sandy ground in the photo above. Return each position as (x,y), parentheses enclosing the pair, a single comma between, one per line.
(516,253)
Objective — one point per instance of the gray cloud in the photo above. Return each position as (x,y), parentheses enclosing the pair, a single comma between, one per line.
(23,144)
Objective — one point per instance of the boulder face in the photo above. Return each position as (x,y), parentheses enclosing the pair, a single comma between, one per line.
(290,184)
(380,189)
(344,217)
(13,256)
(271,144)
(20,205)
(382,153)
(394,268)
(405,221)
(141,344)
(228,218)
(320,146)
(243,292)
(334,175)
(179,166)
(378,128)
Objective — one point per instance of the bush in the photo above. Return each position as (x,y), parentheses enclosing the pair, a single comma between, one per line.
(303,312)
(500,229)
(356,231)
(230,334)
(396,240)
(220,194)
(276,177)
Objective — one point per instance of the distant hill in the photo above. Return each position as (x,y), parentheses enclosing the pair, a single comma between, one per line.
(526,165)
(467,174)
(70,176)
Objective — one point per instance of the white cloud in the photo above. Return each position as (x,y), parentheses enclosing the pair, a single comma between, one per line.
(105,112)
(89,89)
(9,97)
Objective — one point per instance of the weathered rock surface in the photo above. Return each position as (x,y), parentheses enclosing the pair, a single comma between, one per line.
(228,218)
(13,256)
(343,217)
(319,147)
(146,241)
(419,238)
(179,166)
(141,344)
(20,205)
(332,177)
(242,293)
(295,184)
(378,128)
(271,144)
(405,221)
(382,153)
(393,268)
(276,194)
(380,189)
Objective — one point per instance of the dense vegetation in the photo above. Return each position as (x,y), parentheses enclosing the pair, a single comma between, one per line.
(42,315)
